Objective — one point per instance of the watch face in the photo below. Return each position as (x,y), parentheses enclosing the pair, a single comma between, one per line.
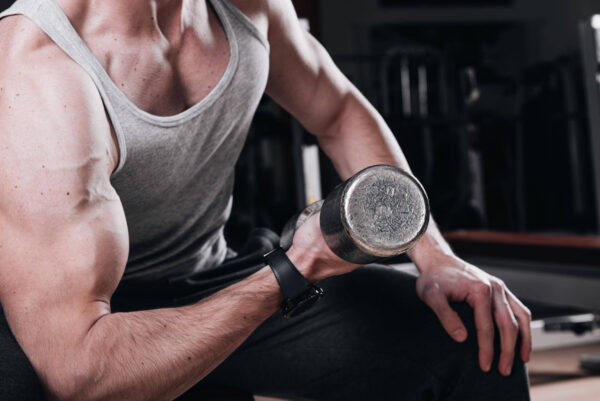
(303,302)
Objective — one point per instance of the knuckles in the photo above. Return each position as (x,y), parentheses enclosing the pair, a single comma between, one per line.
(482,289)
(498,284)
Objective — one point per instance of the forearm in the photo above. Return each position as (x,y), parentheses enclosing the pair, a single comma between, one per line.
(359,138)
(159,354)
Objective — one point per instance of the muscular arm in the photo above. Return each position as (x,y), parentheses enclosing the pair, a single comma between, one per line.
(64,244)
(306,82)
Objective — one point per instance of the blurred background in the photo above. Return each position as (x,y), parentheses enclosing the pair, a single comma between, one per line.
(496,104)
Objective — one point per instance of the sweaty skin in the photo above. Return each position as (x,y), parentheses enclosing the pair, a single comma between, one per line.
(63,236)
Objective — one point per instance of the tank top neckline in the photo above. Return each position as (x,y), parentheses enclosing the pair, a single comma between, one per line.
(191,111)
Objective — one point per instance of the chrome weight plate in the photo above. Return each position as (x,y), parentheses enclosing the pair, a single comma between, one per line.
(384,210)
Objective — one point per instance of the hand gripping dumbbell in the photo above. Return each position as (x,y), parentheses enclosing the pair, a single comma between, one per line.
(377,213)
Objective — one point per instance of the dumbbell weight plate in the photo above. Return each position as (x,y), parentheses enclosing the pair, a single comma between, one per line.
(379,212)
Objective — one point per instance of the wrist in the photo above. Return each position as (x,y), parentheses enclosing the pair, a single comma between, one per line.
(305,261)
(430,251)
(298,293)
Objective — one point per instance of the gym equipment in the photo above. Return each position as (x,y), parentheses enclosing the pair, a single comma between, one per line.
(377,213)
(578,324)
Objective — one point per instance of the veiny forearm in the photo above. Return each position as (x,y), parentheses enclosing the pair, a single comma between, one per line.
(159,354)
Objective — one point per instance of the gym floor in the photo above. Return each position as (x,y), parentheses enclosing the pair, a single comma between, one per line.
(555,376)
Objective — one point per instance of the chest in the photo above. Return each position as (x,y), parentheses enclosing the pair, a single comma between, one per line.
(166,75)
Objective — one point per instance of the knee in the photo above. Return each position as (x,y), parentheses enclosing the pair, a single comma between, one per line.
(466,314)
(513,387)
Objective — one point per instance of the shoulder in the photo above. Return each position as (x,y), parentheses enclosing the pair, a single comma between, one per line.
(32,61)
(269,16)
(47,101)
(255,11)
(22,41)
(284,28)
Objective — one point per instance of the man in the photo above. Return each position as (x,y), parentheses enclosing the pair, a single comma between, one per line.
(120,123)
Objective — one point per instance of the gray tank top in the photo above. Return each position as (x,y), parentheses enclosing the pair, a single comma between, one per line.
(175,173)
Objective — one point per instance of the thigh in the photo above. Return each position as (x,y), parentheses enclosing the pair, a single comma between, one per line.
(370,337)
(18,380)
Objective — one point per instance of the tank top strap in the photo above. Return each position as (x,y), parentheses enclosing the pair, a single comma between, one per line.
(231,11)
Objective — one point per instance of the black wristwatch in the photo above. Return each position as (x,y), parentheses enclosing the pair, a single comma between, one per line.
(298,294)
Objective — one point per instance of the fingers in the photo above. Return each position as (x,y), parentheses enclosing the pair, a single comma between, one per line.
(493,305)
(523,316)
(480,301)
(450,320)
(507,326)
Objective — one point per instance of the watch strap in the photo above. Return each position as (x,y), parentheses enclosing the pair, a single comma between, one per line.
(291,282)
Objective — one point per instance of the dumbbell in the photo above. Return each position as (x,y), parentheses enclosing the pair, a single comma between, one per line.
(377,213)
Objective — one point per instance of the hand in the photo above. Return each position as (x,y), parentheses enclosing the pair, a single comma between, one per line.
(311,254)
(447,278)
